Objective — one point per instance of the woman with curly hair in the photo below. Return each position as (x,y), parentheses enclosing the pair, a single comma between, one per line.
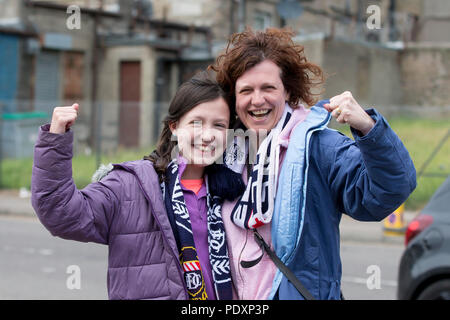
(283,232)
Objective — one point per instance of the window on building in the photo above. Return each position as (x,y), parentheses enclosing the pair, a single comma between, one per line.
(261,20)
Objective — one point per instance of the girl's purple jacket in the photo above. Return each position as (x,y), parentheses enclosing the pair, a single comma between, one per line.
(124,210)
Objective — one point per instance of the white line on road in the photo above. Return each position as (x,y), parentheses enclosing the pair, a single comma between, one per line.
(363,281)
(48,270)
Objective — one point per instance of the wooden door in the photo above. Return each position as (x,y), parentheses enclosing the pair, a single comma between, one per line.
(73,77)
(130,97)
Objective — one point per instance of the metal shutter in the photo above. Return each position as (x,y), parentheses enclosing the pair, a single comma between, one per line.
(47,81)
(9,62)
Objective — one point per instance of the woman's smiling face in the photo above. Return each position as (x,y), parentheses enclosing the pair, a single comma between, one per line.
(260,96)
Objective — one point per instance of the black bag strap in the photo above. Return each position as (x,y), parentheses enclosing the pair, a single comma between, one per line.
(280,265)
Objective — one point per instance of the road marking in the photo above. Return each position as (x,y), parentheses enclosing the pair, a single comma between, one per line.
(363,281)
(46,252)
(48,270)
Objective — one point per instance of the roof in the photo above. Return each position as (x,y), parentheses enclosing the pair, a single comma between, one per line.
(17,32)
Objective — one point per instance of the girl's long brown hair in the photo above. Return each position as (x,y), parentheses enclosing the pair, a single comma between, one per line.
(199,89)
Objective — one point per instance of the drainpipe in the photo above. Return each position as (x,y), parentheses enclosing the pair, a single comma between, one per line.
(393,32)
(93,139)
(159,81)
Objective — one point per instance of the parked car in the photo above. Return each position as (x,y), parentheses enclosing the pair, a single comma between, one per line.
(424,271)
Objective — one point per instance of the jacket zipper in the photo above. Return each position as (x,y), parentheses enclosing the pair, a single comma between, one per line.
(180,271)
(311,130)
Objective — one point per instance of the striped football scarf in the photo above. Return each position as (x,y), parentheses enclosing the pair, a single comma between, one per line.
(218,254)
(255,207)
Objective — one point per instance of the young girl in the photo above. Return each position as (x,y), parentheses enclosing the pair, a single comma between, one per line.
(161,216)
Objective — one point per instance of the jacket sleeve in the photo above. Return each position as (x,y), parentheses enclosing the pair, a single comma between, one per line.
(83,215)
(372,176)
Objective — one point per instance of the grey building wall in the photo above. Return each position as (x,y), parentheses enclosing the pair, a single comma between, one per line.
(417,75)
(370,72)
(425,72)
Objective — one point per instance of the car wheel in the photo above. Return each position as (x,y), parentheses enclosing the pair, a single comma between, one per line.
(439,290)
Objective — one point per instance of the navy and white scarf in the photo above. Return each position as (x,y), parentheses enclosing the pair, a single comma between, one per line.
(255,207)
(218,253)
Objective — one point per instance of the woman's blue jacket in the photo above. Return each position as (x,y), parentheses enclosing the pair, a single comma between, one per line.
(323,175)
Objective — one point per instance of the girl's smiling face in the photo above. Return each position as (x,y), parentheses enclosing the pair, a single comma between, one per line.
(201,132)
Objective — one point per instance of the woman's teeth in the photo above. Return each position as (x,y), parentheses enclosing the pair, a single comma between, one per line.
(259,113)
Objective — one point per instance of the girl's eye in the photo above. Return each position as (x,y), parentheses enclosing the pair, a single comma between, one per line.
(197,123)
(221,125)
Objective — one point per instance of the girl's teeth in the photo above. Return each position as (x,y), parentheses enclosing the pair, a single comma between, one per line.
(205,149)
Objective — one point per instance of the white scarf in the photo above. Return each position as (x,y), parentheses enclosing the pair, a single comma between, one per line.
(255,207)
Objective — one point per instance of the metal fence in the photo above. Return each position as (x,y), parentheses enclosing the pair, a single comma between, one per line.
(102,129)
(106,127)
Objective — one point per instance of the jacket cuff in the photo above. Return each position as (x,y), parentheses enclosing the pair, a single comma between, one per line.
(375,133)
(45,136)
(53,151)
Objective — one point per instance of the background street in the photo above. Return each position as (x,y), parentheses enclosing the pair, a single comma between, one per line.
(33,263)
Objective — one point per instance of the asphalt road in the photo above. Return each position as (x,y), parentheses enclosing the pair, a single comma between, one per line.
(369,270)
(36,265)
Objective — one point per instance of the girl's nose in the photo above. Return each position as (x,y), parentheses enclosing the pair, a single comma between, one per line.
(207,135)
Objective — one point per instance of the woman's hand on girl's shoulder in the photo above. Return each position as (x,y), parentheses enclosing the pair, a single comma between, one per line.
(63,118)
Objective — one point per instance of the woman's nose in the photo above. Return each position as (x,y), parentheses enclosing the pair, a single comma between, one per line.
(257,98)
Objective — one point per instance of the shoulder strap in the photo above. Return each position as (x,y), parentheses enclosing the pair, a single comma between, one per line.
(280,265)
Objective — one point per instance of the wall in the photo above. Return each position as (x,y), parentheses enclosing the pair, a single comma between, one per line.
(426,74)
(370,72)
(10,12)
(418,75)
(211,13)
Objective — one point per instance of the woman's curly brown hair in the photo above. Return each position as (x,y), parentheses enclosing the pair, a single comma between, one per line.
(248,48)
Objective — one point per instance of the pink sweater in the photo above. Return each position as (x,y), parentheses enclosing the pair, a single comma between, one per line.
(254,283)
